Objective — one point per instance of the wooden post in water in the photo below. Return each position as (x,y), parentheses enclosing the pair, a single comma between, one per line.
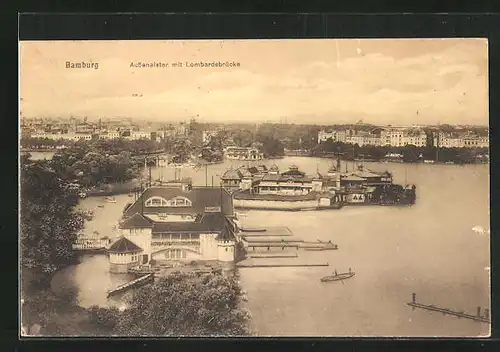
(486,313)
(479,311)
(206,175)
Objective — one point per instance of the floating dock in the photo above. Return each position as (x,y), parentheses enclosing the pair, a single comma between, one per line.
(484,318)
(277,231)
(272,239)
(274,255)
(143,280)
(276,263)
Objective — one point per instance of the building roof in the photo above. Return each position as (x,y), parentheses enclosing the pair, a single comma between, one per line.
(245,172)
(136,221)
(294,173)
(271,177)
(200,197)
(254,170)
(123,245)
(232,174)
(209,222)
(367,174)
(352,178)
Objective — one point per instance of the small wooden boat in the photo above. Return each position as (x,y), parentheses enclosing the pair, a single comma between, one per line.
(338,277)
(101,206)
(110,200)
(253,230)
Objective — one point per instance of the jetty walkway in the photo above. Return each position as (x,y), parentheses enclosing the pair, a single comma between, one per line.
(143,280)
(484,318)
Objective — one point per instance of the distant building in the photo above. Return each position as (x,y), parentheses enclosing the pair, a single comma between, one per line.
(110,135)
(240,153)
(336,136)
(390,136)
(463,140)
(64,136)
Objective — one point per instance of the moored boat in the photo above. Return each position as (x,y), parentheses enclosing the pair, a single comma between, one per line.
(253,230)
(110,199)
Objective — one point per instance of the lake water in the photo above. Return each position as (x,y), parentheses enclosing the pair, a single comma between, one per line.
(429,249)
(41,155)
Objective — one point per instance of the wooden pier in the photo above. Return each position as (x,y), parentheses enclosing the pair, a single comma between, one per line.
(484,318)
(143,280)
(290,265)
(272,245)
(274,255)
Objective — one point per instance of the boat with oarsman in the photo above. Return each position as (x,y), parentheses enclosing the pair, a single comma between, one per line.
(338,276)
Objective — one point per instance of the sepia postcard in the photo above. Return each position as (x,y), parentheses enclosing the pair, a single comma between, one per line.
(312,187)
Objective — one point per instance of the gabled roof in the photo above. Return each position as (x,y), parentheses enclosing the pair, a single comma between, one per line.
(209,222)
(123,245)
(200,197)
(136,221)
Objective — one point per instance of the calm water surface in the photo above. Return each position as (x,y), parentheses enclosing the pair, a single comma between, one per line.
(429,249)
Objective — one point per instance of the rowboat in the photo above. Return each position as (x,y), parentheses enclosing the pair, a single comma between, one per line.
(338,277)
(110,200)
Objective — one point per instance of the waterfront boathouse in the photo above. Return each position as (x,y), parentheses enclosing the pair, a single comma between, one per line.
(177,224)
(123,255)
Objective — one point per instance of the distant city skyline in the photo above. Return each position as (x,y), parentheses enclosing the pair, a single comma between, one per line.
(326,81)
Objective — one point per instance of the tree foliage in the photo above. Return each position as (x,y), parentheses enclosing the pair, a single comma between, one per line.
(49,223)
(181,304)
(91,166)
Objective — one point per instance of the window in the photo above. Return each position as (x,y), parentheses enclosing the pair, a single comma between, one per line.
(156,201)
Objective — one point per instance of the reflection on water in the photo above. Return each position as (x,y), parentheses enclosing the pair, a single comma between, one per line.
(92,280)
(428,249)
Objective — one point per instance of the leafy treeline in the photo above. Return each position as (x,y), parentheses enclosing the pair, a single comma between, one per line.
(106,146)
(49,222)
(181,304)
(98,162)
(409,153)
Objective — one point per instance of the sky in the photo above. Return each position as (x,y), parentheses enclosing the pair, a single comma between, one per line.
(322,81)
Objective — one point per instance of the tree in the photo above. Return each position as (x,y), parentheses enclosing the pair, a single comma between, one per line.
(182,150)
(49,224)
(243,138)
(180,304)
